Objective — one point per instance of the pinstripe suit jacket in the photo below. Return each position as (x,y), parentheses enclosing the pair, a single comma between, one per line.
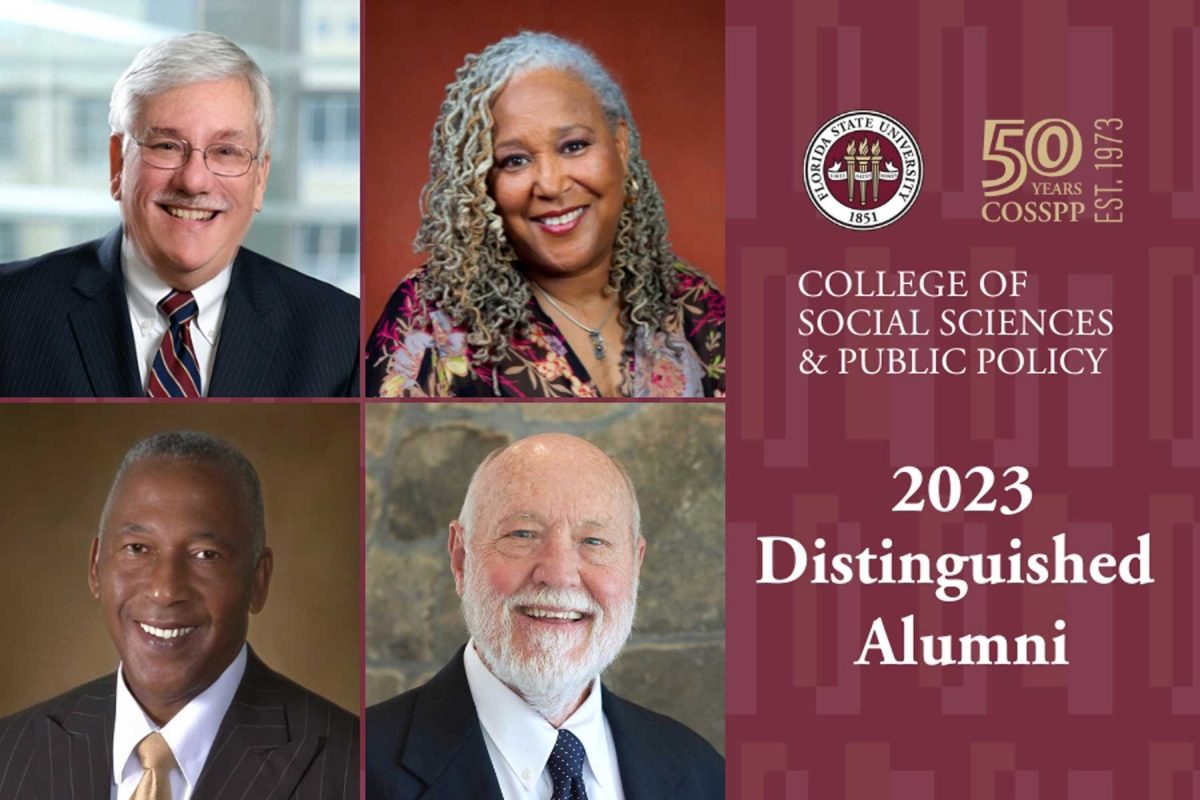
(278,740)
(427,744)
(65,330)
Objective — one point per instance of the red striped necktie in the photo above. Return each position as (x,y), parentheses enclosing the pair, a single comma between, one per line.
(176,370)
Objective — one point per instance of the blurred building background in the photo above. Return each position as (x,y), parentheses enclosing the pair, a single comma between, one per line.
(59,61)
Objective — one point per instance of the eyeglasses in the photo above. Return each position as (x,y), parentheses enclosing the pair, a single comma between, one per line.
(221,158)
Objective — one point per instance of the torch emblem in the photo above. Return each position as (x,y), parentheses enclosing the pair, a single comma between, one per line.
(862,169)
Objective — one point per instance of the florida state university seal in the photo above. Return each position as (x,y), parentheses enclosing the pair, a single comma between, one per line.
(863,170)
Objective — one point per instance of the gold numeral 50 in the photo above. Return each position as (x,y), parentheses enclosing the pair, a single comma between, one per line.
(1052,148)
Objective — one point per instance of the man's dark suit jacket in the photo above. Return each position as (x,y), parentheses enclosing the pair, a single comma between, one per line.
(65,330)
(427,744)
(277,740)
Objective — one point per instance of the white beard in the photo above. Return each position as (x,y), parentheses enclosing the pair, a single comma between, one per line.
(549,678)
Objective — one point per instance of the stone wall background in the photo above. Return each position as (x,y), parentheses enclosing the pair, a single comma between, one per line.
(420,458)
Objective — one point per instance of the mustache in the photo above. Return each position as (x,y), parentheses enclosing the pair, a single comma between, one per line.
(579,600)
(197,202)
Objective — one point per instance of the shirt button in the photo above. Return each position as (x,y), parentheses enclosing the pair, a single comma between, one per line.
(145,325)
(526,775)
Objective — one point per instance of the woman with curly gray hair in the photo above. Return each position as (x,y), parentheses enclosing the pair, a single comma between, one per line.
(549,272)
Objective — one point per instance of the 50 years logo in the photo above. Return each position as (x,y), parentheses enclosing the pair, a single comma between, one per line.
(863,170)
(1044,157)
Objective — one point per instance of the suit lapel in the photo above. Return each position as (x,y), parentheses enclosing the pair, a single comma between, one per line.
(79,744)
(449,754)
(648,771)
(100,324)
(259,750)
(248,334)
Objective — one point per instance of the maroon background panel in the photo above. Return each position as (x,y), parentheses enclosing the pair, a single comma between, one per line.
(1111,456)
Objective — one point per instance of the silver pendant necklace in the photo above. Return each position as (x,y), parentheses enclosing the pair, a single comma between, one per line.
(593,333)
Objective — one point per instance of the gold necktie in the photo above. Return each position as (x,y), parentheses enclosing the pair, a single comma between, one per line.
(157,759)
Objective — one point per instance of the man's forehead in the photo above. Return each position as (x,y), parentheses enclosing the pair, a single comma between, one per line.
(225,103)
(589,516)
(177,133)
(578,488)
(552,451)
(524,467)
(159,480)
(181,500)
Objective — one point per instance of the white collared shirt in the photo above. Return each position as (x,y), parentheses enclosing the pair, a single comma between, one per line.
(190,733)
(143,291)
(519,739)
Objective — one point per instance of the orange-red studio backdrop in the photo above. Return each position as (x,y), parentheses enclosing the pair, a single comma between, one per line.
(667,56)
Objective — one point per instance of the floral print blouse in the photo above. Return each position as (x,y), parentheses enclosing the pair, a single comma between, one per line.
(417,351)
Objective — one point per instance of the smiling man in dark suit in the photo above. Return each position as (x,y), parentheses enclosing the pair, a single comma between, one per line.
(179,563)
(546,555)
(169,304)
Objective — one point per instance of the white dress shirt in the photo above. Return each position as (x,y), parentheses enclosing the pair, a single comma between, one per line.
(519,739)
(190,733)
(143,291)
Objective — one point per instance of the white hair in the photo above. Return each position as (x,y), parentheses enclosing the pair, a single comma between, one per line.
(533,50)
(184,60)
(552,677)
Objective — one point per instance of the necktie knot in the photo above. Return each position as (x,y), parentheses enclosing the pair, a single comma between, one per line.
(157,760)
(566,767)
(179,307)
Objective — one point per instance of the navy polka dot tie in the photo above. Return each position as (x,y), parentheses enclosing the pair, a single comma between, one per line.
(566,767)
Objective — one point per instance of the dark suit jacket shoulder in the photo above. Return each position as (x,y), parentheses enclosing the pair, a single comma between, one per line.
(276,740)
(64,324)
(686,765)
(289,335)
(67,726)
(65,331)
(427,744)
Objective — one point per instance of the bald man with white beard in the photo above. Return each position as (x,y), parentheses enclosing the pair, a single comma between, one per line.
(546,555)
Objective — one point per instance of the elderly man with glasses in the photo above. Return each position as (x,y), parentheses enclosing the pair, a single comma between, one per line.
(170,304)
